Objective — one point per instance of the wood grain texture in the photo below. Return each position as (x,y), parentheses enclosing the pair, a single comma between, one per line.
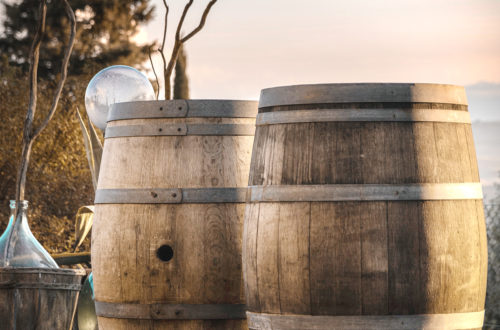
(483,257)
(38,298)
(403,251)
(268,258)
(357,153)
(115,324)
(250,236)
(451,321)
(374,259)
(335,259)
(386,257)
(293,264)
(453,260)
(205,238)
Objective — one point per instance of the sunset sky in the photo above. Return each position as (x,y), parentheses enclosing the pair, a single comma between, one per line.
(249,45)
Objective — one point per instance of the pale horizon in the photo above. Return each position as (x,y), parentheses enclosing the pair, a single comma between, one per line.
(250,45)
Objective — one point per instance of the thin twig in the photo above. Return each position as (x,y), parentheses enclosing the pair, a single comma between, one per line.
(64,69)
(179,41)
(181,21)
(162,48)
(165,25)
(157,91)
(202,22)
(28,123)
(176,48)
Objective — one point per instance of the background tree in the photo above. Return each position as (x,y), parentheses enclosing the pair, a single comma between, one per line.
(104,32)
(59,180)
(181,81)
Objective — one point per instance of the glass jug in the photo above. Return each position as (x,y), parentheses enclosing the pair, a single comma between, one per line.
(24,250)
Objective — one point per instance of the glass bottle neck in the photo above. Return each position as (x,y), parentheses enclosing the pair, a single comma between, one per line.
(22,212)
(22,204)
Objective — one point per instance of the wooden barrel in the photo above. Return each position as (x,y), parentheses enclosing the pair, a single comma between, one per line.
(38,298)
(166,242)
(365,210)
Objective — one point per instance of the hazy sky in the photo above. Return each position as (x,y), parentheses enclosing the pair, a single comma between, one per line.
(248,45)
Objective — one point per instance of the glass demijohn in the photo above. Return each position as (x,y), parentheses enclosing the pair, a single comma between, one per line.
(24,249)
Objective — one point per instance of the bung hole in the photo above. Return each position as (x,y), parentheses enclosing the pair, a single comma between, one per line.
(165,253)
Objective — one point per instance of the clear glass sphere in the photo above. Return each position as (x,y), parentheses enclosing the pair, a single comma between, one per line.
(114,84)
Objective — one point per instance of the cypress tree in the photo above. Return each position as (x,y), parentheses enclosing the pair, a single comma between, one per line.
(181,81)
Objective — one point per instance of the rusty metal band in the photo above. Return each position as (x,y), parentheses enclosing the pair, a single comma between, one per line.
(365,192)
(170,311)
(170,195)
(361,115)
(472,320)
(156,129)
(182,109)
(41,285)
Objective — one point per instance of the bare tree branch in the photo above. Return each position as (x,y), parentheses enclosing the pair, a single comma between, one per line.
(154,71)
(167,71)
(180,40)
(181,21)
(162,48)
(165,25)
(64,70)
(27,141)
(28,123)
(202,22)
(29,133)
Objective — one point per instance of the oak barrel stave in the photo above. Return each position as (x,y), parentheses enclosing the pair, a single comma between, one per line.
(204,273)
(371,257)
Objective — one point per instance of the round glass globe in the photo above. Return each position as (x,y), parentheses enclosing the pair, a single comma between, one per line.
(114,84)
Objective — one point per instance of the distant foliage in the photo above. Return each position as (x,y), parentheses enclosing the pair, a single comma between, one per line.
(104,29)
(59,181)
(181,81)
(492,214)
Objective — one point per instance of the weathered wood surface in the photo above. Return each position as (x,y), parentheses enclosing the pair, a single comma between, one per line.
(204,237)
(171,311)
(362,92)
(71,258)
(452,321)
(38,298)
(420,255)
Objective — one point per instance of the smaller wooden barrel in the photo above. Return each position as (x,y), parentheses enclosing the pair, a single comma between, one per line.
(38,298)
(166,239)
(364,210)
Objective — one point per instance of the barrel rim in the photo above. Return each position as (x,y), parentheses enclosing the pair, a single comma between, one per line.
(196,108)
(362,93)
(47,271)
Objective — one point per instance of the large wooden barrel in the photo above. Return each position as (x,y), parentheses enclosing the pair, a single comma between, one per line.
(38,298)
(365,210)
(166,242)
